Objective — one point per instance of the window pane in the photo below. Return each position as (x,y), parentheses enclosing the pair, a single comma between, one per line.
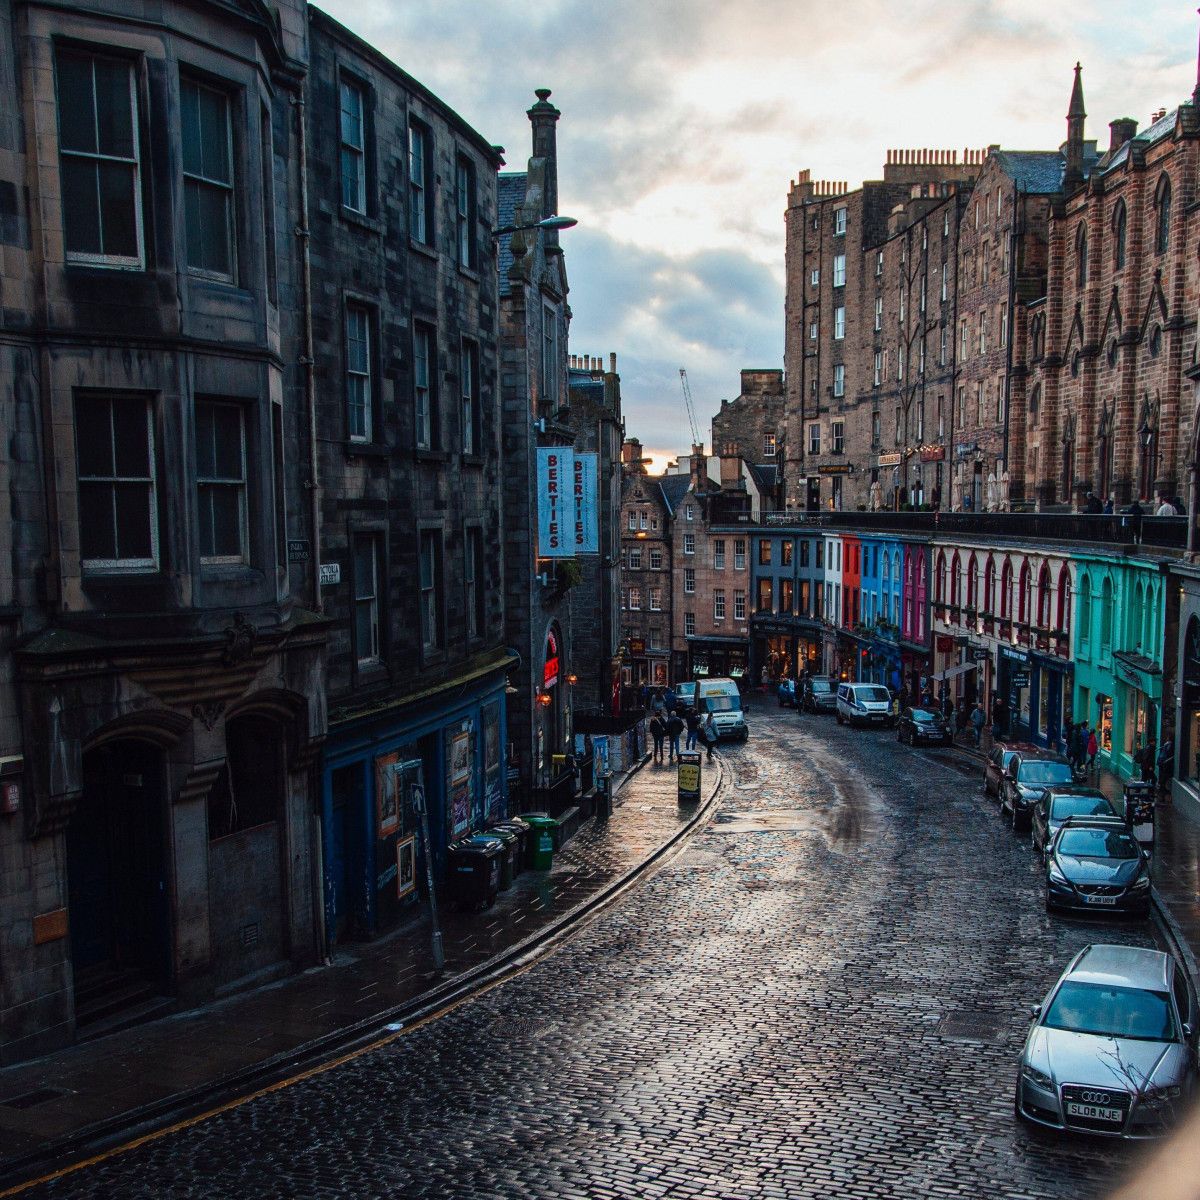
(426,560)
(118,182)
(364,568)
(81,206)
(357,399)
(132,503)
(206,453)
(227,426)
(76,109)
(132,439)
(352,110)
(207,214)
(114,116)
(220,521)
(189,119)
(356,340)
(214,135)
(96,527)
(351,193)
(93,436)
(364,629)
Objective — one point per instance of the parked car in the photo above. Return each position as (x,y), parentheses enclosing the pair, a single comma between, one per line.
(786,693)
(921,726)
(820,694)
(1062,801)
(864,704)
(1026,778)
(1096,864)
(997,764)
(721,697)
(1111,1049)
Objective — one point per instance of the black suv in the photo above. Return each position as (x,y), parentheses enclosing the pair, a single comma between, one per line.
(923,726)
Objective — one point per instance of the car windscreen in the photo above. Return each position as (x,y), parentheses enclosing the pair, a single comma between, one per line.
(922,717)
(1062,807)
(1109,1010)
(1038,770)
(821,686)
(686,689)
(723,703)
(1097,843)
(872,695)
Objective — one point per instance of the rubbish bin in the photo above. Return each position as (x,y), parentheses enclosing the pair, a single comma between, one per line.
(518,826)
(508,856)
(1139,810)
(540,850)
(473,867)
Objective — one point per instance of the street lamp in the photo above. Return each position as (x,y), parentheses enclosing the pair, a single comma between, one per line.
(547,223)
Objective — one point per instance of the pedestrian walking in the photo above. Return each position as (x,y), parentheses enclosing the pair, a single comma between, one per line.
(1092,504)
(657,703)
(1093,748)
(999,717)
(1109,507)
(658,730)
(1147,759)
(708,731)
(1166,766)
(670,699)
(978,720)
(674,729)
(693,727)
(1075,746)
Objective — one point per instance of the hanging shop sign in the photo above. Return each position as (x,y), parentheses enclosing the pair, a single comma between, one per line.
(933,453)
(891,459)
(550,673)
(555,468)
(586,525)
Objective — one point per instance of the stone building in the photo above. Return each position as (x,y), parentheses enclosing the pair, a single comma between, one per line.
(595,416)
(1106,409)
(162,681)
(534,319)
(753,425)
(836,292)
(401,203)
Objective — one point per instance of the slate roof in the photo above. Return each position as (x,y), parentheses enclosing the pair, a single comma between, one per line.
(674,488)
(510,195)
(1040,172)
(1161,128)
(579,380)
(764,475)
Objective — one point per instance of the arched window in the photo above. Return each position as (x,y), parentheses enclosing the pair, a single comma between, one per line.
(1068,470)
(973,583)
(939,587)
(919,622)
(1043,598)
(1138,617)
(1118,225)
(955,594)
(1085,612)
(1081,254)
(1035,403)
(989,587)
(887,569)
(1006,591)
(1106,615)
(1064,599)
(1025,595)
(1149,615)
(1162,222)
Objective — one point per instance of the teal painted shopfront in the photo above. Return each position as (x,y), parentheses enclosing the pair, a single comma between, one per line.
(1118,645)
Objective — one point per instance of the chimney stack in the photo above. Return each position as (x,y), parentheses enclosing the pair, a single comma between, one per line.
(699,470)
(1119,132)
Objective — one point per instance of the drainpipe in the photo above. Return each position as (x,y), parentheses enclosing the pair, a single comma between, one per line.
(306,360)
(1012,325)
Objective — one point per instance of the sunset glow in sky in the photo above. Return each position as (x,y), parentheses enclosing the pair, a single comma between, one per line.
(683,124)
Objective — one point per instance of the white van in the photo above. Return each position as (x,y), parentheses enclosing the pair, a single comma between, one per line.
(865,704)
(722,698)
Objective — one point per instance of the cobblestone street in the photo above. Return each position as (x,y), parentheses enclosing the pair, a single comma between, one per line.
(822,995)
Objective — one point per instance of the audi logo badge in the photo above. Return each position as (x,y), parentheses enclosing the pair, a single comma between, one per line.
(1095,1097)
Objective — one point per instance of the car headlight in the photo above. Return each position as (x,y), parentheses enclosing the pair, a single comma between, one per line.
(1035,1076)
(1161,1095)
(1055,874)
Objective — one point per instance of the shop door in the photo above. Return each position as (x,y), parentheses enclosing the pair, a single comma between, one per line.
(1052,682)
(116,870)
(813,500)
(344,854)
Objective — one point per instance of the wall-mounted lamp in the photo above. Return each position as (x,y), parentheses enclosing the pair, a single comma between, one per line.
(572,679)
(544,699)
(548,223)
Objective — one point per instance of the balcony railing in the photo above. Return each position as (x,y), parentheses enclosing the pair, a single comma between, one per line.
(1119,528)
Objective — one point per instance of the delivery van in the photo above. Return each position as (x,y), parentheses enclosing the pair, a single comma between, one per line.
(722,698)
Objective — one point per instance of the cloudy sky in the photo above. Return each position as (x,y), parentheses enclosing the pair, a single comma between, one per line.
(683,123)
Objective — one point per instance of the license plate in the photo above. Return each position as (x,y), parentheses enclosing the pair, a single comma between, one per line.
(1100,899)
(1094,1112)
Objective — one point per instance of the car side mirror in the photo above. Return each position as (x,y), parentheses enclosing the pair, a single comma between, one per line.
(1035,1011)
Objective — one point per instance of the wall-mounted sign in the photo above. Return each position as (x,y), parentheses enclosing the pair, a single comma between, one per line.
(331,573)
(555,469)
(933,453)
(586,526)
(834,469)
(297,550)
(980,654)
(550,673)
(1020,679)
(890,459)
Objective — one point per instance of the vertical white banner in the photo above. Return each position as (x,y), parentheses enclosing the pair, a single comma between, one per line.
(555,471)
(584,481)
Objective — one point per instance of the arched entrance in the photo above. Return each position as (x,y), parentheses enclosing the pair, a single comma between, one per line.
(117,887)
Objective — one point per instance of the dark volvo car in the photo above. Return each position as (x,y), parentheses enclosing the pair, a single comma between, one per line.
(1026,778)
(1096,865)
(921,726)
(1065,800)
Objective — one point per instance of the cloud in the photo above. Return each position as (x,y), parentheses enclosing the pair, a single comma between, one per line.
(684,121)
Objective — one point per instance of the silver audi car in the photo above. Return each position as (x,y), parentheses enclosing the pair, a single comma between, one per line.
(1112,1048)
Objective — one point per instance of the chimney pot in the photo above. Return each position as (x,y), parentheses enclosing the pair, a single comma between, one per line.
(612,362)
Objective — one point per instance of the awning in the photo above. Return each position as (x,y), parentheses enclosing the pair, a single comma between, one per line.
(950,672)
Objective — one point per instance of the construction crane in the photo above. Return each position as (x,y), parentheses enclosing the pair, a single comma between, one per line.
(687,400)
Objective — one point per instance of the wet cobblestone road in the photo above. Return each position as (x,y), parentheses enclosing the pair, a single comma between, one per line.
(823,996)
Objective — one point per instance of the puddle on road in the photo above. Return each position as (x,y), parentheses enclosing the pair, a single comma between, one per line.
(779,820)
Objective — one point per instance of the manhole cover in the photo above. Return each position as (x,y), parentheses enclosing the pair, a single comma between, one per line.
(969,1027)
(32,1099)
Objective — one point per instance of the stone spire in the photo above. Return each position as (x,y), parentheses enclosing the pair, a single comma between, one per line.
(1076,115)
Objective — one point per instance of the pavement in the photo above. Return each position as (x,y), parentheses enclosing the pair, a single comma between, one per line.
(821,992)
(62,1105)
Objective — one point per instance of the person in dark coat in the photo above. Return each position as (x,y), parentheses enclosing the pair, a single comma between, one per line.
(1109,507)
(1147,759)
(674,729)
(708,731)
(658,730)
(1092,504)
(1166,765)
(1075,748)
(693,727)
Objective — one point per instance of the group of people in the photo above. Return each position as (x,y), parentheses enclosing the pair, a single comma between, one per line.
(1164,506)
(668,725)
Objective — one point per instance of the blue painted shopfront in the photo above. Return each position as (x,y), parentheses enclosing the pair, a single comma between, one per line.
(450,746)
(880,655)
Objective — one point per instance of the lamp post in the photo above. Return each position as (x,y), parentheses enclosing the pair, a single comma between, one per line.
(547,223)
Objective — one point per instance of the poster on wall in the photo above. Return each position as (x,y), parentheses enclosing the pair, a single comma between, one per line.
(555,468)
(493,783)
(600,755)
(583,494)
(406,875)
(387,794)
(460,776)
